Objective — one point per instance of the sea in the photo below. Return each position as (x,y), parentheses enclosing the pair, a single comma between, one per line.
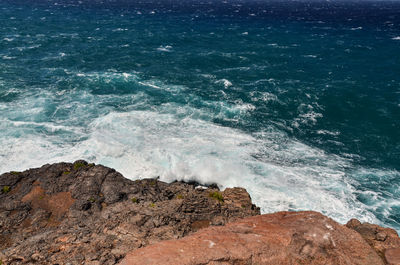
(296,101)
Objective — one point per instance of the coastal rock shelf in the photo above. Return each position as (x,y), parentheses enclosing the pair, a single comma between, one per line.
(83,213)
(80,213)
(307,238)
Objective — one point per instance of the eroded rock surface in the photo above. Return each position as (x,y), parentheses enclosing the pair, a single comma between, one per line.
(281,238)
(385,241)
(89,214)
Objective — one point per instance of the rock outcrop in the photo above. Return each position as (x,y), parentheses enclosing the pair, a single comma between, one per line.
(385,241)
(83,213)
(277,239)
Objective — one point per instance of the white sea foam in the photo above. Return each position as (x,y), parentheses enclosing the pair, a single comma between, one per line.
(46,125)
(119,29)
(307,115)
(108,77)
(263,96)
(179,142)
(396,38)
(225,82)
(335,133)
(279,173)
(5,57)
(166,48)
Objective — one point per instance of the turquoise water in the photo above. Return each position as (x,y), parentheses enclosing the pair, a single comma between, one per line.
(299,102)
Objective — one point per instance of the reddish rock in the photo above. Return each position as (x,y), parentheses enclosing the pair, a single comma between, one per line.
(280,238)
(385,241)
(393,256)
(83,213)
(89,214)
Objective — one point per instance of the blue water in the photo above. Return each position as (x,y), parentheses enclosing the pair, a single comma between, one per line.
(299,102)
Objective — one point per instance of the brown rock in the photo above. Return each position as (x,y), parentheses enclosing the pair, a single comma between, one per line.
(56,204)
(83,213)
(393,256)
(280,238)
(379,238)
(237,196)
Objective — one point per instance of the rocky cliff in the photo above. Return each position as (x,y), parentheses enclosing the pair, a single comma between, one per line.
(83,213)
(307,238)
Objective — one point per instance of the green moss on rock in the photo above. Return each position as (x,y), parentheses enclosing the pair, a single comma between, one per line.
(6,189)
(216,195)
(78,165)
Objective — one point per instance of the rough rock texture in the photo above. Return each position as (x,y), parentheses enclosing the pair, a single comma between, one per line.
(83,213)
(385,241)
(89,214)
(280,238)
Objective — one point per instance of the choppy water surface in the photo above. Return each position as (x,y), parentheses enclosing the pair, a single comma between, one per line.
(299,102)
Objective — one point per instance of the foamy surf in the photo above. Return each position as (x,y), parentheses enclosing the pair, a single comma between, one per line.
(292,107)
(179,142)
(279,173)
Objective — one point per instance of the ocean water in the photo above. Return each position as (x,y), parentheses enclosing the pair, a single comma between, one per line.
(297,101)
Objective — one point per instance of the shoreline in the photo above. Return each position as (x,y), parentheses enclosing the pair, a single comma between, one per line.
(82,213)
